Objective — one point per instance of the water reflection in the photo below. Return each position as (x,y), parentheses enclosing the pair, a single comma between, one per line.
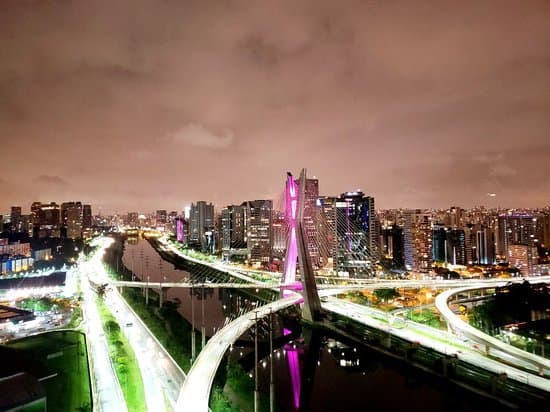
(312,371)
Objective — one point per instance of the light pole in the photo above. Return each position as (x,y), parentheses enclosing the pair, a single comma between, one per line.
(271,383)
(203,328)
(192,324)
(256,392)
(147,292)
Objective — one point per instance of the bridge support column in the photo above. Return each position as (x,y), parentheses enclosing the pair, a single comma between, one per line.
(162,297)
(271,381)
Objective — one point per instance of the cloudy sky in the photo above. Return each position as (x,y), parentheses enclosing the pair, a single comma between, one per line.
(139,105)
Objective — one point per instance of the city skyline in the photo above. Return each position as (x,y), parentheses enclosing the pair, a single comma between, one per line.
(157,106)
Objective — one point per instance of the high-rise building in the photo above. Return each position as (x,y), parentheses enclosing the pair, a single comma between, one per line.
(16,218)
(259,223)
(545,222)
(356,234)
(132,219)
(327,231)
(86,216)
(454,218)
(522,257)
(518,229)
(418,239)
(201,221)
(393,245)
(480,244)
(279,234)
(46,219)
(448,245)
(234,231)
(71,217)
(311,219)
(161,217)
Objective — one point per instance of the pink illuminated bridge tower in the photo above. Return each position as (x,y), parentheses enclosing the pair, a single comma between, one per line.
(297,250)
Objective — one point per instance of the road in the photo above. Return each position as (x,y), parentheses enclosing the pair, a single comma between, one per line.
(162,377)
(438,340)
(459,326)
(109,394)
(195,393)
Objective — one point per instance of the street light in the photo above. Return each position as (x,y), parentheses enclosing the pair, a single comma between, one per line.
(256,391)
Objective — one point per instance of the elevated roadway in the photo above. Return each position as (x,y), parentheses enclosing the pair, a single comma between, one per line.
(458,326)
(435,339)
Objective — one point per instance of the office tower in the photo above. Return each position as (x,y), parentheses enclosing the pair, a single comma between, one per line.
(16,218)
(182,230)
(480,244)
(454,218)
(418,239)
(356,234)
(439,244)
(279,234)
(86,216)
(311,219)
(518,229)
(448,245)
(393,245)
(259,213)
(132,219)
(46,219)
(161,217)
(522,257)
(201,220)
(327,231)
(545,221)
(234,231)
(71,219)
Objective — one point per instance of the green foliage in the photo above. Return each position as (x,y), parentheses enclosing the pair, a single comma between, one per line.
(386,294)
(124,360)
(220,403)
(426,317)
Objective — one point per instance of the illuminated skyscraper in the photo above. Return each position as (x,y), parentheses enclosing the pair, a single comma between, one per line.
(448,245)
(72,219)
(259,213)
(161,217)
(16,218)
(392,245)
(86,216)
(418,239)
(518,229)
(234,231)
(522,257)
(201,221)
(356,234)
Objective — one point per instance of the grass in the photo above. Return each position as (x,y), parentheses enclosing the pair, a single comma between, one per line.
(220,403)
(76,318)
(70,389)
(168,326)
(124,361)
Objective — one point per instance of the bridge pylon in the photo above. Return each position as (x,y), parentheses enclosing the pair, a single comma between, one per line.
(297,247)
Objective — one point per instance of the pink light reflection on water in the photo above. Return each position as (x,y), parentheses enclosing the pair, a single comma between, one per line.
(294,369)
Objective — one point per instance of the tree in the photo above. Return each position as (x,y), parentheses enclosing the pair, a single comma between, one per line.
(386,294)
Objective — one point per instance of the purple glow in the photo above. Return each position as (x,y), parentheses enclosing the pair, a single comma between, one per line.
(292,246)
(179,230)
(294,369)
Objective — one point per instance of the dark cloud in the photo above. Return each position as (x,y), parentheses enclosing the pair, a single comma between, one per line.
(216,100)
(50,180)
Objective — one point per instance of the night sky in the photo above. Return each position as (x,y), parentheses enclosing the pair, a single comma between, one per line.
(139,105)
